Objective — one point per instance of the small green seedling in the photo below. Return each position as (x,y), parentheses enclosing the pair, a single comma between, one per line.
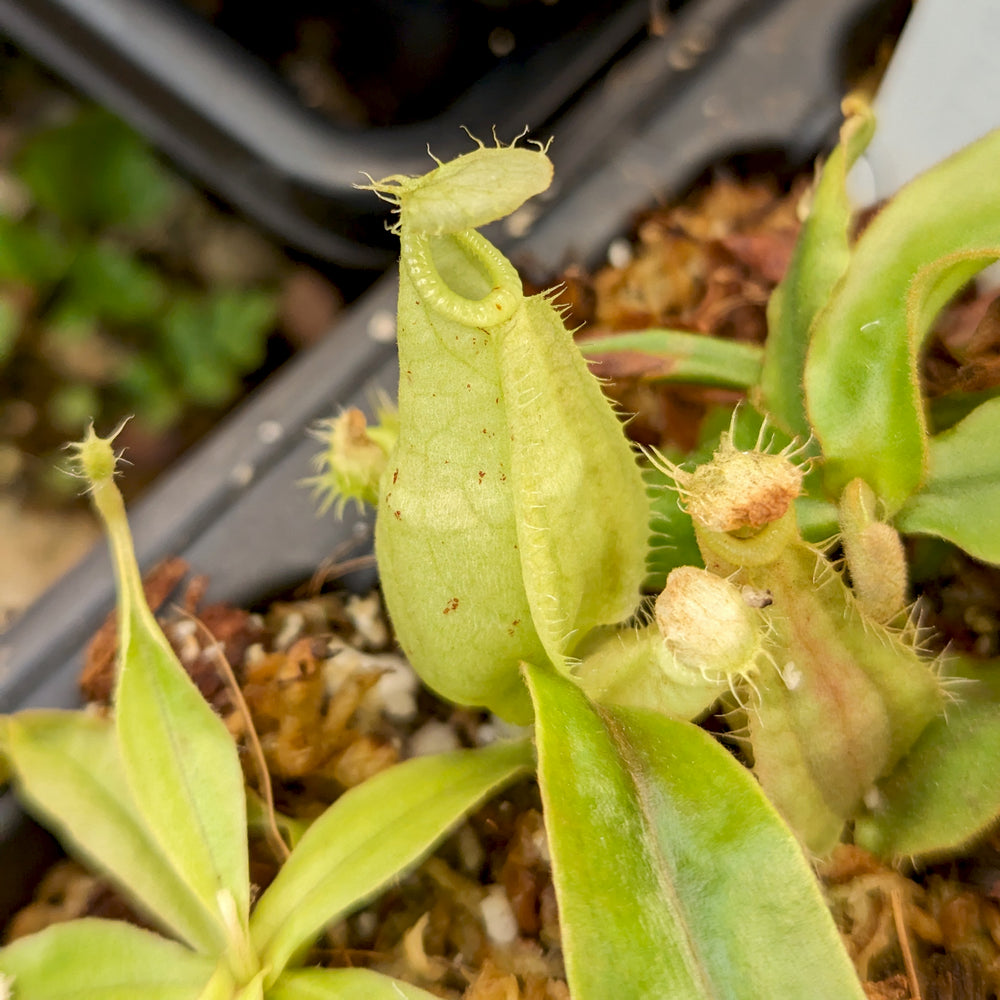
(95,317)
(154,798)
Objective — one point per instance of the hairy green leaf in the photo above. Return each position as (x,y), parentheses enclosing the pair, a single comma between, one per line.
(675,877)
(70,773)
(961,498)
(368,837)
(944,792)
(861,382)
(94,959)
(822,252)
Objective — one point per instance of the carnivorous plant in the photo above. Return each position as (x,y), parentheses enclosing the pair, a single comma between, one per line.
(506,538)
(519,541)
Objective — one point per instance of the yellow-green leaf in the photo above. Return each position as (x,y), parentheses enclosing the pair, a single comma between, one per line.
(368,837)
(342,984)
(180,761)
(95,959)
(675,877)
(821,255)
(961,499)
(70,773)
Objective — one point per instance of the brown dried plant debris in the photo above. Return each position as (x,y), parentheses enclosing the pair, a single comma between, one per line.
(223,629)
(305,706)
(893,988)
(67,892)
(953,927)
(964,354)
(706,266)
(492,984)
(97,677)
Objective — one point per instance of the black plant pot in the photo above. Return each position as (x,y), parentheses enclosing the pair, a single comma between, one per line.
(212,102)
(731,79)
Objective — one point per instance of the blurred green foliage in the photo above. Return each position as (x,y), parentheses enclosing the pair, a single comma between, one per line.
(93,172)
(97,318)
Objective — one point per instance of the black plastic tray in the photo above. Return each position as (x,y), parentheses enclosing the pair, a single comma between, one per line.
(223,115)
(731,79)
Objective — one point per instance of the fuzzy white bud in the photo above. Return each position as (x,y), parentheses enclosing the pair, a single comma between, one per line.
(707,624)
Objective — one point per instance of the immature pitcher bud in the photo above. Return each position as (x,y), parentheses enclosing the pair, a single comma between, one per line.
(707,625)
(739,490)
(354,457)
(836,699)
(874,554)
